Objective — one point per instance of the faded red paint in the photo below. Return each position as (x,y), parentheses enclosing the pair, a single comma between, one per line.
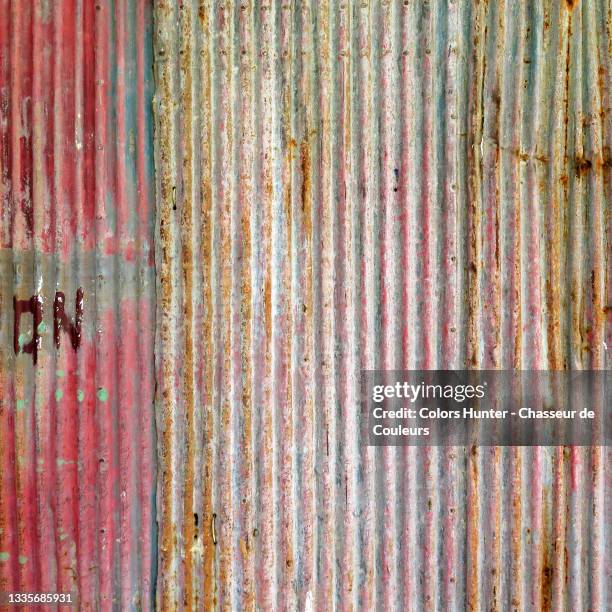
(77,465)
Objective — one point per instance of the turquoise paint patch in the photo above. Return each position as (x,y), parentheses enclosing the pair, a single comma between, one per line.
(80,395)
(20,405)
(110,210)
(42,327)
(59,394)
(4,556)
(60,373)
(102,394)
(22,559)
(22,341)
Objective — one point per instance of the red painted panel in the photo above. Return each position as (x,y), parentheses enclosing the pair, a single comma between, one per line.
(77,427)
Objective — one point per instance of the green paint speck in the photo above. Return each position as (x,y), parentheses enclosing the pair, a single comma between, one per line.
(102,394)
(59,394)
(20,405)
(42,327)
(60,373)
(22,341)
(80,395)
(63,536)
(4,556)
(22,559)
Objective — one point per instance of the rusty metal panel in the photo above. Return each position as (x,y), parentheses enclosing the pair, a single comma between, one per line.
(340,186)
(77,301)
(362,184)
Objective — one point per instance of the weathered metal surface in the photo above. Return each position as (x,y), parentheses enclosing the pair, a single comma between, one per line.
(77,446)
(340,186)
(394,184)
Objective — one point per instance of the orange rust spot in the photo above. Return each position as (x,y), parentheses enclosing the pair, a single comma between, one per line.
(553,288)
(268,188)
(583,165)
(547,569)
(473,536)
(306,188)
(244,548)
(571,4)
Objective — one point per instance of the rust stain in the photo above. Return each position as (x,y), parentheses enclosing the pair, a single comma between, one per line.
(191,334)
(582,165)
(306,190)
(473,533)
(208,591)
(547,571)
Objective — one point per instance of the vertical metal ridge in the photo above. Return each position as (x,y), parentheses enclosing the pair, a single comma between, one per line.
(266,485)
(167,260)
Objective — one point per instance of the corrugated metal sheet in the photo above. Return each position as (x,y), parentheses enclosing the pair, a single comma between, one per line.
(340,186)
(77,446)
(362,184)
